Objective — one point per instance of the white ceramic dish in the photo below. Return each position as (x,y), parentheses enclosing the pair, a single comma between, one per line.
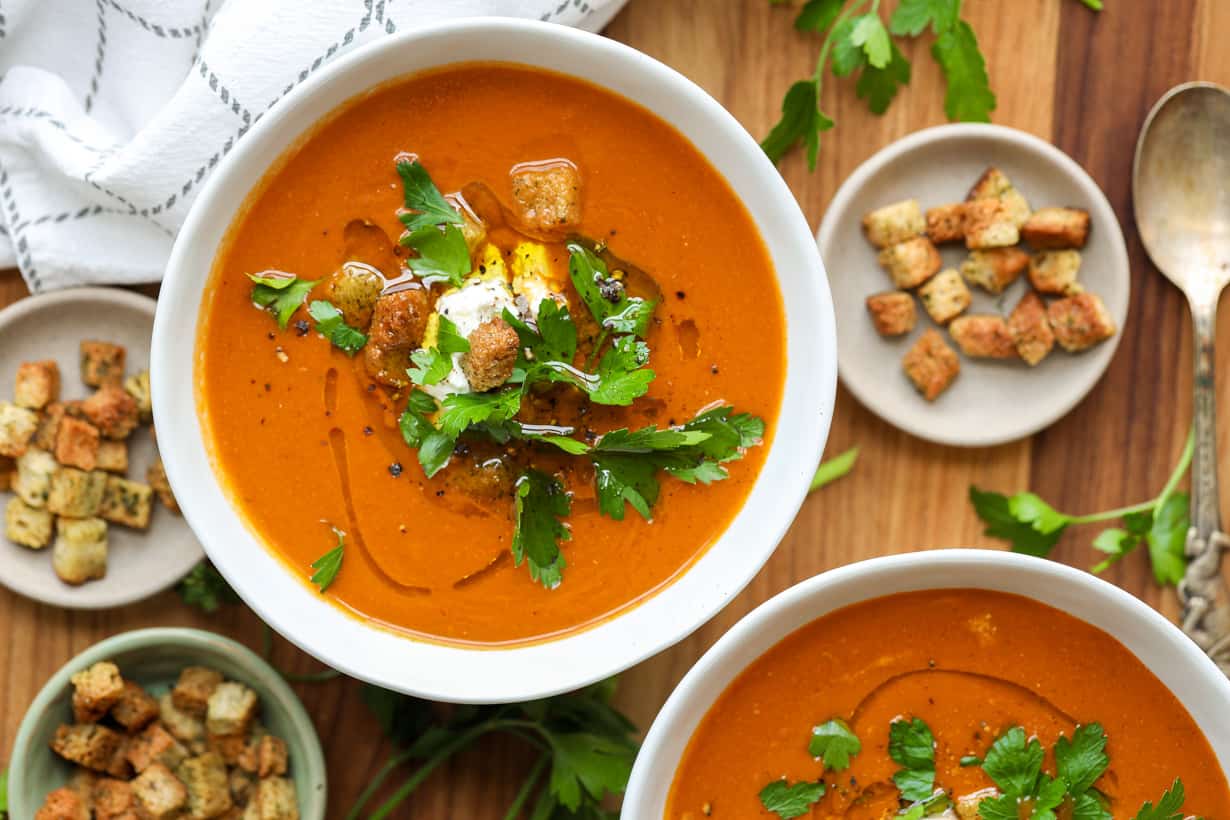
(991,402)
(139,564)
(1159,644)
(463,674)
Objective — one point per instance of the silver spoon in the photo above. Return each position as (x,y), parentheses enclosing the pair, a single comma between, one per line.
(1181,193)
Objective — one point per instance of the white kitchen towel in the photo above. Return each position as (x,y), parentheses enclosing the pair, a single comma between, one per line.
(113,112)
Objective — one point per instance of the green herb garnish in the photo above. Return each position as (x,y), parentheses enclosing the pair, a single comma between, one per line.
(833,469)
(280,293)
(788,800)
(432,365)
(540,504)
(205,588)
(835,743)
(328,565)
(331,325)
(912,745)
(605,295)
(434,447)
(1170,807)
(433,228)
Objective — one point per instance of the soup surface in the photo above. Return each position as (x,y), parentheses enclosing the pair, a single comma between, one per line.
(307,439)
(970,665)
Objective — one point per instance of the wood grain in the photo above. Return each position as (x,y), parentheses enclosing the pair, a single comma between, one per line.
(1085,82)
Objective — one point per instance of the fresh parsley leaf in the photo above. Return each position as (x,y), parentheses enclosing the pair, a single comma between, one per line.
(835,742)
(970,760)
(552,338)
(648,439)
(1030,509)
(934,804)
(1048,794)
(621,377)
(1168,539)
(969,97)
(1117,542)
(205,588)
(605,295)
(620,478)
(801,121)
(1089,806)
(431,365)
(540,504)
(878,86)
(1082,760)
(869,34)
(995,511)
(461,410)
(559,437)
(423,199)
(443,255)
(4,794)
(817,15)
(434,447)
(331,324)
(1013,764)
(1168,808)
(913,16)
(706,472)
(833,469)
(327,565)
(280,293)
(788,801)
(911,744)
(848,56)
(588,764)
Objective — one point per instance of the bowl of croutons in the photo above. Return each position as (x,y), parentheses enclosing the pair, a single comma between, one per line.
(980,280)
(162,723)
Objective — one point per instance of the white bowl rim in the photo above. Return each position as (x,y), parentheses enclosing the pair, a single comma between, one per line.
(655,766)
(520,672)
(1106,220)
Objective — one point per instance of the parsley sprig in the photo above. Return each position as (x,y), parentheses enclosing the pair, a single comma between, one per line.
(328,565)
(1033,526)
(433,228)
(205,588)
(331,325)
(912,746)
(280,293)
(789,800)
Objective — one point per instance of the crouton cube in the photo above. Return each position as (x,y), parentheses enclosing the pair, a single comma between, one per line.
(35,469)
(95,690)
(77,443)
(995,268)
(26,525)
(156,475)
(137,386)
(894,223)
(1080,321)
(547,195)
(274,800)
(126,502)
(192,690)
(114,800)
(155,745)
(159,792)
(112,457)
(945,296)
(243,785)
(230,709)
(1030,329)
(119,766)
(80,550)
(228,747)
(63,804)
(946,223)
(1051,228)
(135,709)
(1055,272)
(186,727)
(911,263)
(892,313)
(983,337)
(49,426)
(86,744)
(38,384)
(994,184)
(931,364)
(988,224)
(209,793)
(17,427)
(102,363)
(75,493)
(113,411)
(271,756)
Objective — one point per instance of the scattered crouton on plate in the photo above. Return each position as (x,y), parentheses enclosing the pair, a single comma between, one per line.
(1055,272)
(894,223)
(989,224)
(1051,228)
(994,184)
(983,336)
(1080,321)
(893,312)
(946,223)
(38,384)
(912,262)
(931,364)
(995,268)
(1030,329)
(102,363)
(945,296)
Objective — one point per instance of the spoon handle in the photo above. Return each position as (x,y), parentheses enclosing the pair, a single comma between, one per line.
(1206,611)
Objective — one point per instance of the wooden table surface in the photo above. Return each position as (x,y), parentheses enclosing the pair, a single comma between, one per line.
(1081,80)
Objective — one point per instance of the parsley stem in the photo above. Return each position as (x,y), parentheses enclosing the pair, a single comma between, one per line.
(426,768)
(392,763)
(828,42)
(833,469)
(311,677)
(1180,470)
(523,794)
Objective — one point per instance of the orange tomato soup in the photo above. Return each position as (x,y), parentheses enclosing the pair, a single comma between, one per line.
(971,664)
(305,440)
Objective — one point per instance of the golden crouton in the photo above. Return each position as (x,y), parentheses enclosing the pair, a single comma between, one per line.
(76,493)
(186,728)
(80,550)
(547,195)
(988,224)
(983,337)
(102,363)
(86,744)
(192,690)
(946,223)
(274,800)
(1057,228)
(1055,272)
(38,384)
(160,794)
(49,426)
(945,296)
(113,411)
(17,427)
(995,268)
(230,709)
(354,289)
(114,800)
(1080,321)
(242,784)
(77,443)
(265,756)
(228,747)
(894,223)
(26,525)
(63,804)
(126,502)
(892,312)
(137,386)
(912,262)
(95,691)
(155,745)
(209,793)
(34,472)
(156,475)
(994,184)
(494,346)
(112,457)
(398,322)
(931,364)
(1030,329)
(135,709)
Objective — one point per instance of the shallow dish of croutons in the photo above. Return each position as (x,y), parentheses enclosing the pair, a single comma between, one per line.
(89,519)
(167,723)
(981,283)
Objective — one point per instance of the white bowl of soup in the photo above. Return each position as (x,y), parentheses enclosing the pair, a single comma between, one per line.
(493,360)
(927,683)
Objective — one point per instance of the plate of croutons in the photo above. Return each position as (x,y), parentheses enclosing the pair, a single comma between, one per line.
(89,518)
(980,280)
(162,723)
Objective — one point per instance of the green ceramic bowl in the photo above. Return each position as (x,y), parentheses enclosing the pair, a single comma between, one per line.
(153,658)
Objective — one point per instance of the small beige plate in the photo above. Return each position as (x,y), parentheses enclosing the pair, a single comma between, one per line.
(139,564)
(991,402)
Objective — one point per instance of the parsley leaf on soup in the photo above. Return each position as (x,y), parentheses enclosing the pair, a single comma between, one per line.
(1082,760)
(280,293)
(431,365)
(552,338)
(605,295)
(332,326)
(433,228)
(434,447)
(1015,766)
(912,745)
(422,199)
(621,376)
(932,806)
(1170,807)
(461,410)
(328,565)
(835,742)
(620,478)
(540,504)
(788,800)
